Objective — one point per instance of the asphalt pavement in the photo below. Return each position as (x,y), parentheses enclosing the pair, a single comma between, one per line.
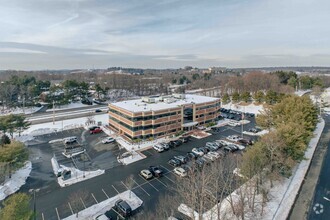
(320,206)
(52,201)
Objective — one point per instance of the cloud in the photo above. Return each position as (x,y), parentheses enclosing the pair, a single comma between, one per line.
(164,33)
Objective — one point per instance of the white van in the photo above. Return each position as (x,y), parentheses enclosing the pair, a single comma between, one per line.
(70,140)
(159,148)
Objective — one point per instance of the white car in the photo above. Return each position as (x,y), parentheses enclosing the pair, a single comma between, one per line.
(214,154)
(209,157)
(159,148)
(108,140)
(180,172)
(146,174)
(233,138)
(197,151)
(70,140)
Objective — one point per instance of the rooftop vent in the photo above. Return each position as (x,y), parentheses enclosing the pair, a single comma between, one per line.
(179,96)
(149,99)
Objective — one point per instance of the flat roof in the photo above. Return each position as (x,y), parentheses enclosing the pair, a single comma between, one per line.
(137,105)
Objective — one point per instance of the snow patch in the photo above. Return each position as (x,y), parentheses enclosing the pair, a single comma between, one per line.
(18,179)
(252,108)
(68,106)
(15,111)
(100,208)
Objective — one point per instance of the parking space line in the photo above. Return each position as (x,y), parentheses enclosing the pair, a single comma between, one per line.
(82,202)
(115,189)
(147,152)
(94,198)
(105,194)
(169,179)
(141,187)
(161,182)
(165,168)
(149,183)
(124,185)
(58,216)
(70,207)
(42,216)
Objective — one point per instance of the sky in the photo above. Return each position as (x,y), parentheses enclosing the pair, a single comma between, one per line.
(69,34)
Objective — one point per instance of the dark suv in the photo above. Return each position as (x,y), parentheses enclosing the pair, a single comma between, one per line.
(123,208)
(156,171)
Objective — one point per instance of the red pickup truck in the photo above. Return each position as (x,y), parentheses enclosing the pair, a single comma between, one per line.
(95,131)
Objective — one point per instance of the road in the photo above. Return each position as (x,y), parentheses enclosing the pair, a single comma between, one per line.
(316,182)
(320,205)
(52,201)
(43,117)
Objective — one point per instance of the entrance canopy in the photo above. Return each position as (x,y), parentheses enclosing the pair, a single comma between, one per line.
(189,124)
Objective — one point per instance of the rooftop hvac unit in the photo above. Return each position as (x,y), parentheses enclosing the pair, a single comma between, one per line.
(162,98)
(179,96)
(148,100)
(169,100)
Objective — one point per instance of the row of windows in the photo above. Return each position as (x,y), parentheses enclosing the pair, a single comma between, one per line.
(144,118)
(209,106)
(146,127)
(151,135)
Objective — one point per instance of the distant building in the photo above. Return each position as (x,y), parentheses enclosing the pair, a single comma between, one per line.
(159,116)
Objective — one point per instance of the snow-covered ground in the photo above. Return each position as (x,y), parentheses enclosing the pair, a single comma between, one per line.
(251,108)
(26,110)
(68,106)
(49,127)
(100,208)
(76,175)
(140,146)
(260,133)
(282,195)
(133,157)
(18,179)
(302,92)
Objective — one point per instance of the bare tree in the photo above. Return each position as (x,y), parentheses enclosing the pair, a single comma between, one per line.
(75,200)
(129,184)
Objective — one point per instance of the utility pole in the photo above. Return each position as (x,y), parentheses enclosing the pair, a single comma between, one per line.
(23,104)
(53,112)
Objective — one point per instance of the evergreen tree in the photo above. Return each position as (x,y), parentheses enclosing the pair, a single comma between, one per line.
(16,207)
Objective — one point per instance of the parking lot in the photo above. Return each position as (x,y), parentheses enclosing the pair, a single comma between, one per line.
(116,179)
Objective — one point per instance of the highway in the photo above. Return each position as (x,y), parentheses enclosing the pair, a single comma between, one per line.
(64,114)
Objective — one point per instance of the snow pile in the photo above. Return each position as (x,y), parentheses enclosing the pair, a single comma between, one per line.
(77,175)
(326,99)
(131,158)
(68,106)
(251,108)
(282,195)
(26,110)
(100,208)
(260,133)
(24,138)
(140,146)
(17,180)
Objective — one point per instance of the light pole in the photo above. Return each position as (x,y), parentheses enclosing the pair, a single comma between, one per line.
(34,202)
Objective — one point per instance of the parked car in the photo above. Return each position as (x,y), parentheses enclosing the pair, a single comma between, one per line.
(174,162)
(171,144)
(108,140)
(177,143)
(156,171)
(180,171)
(197,151)
(159,148)
(70,140)
(184,139)
(146,174)
(95,131)
(199,162)
(192,155)
(216,155)
(254,130)
(204,149)
(123,208)
(93,128)
(245,142)
(222,142)
(182,159)
(209,157)
(165,146)
(233,146)
(188,168)
(233,138)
